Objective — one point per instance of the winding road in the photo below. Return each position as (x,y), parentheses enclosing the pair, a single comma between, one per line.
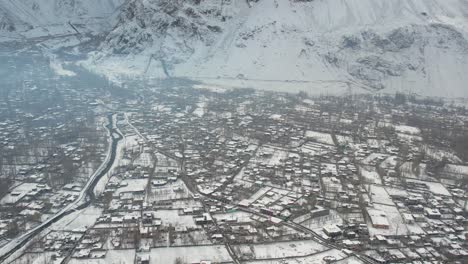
(85,198)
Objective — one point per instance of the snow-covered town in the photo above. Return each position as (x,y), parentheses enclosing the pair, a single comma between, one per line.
(233,131)
(206,174)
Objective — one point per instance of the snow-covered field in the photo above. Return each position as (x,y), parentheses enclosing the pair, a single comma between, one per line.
(57,67)
(132,185)
(380,195)
(313,259)
(409,138)
(395,191)
(439,154)
(313,148)
(436,188)
(397,226)
(172,217)
(456,169)
(258,194)
(126,256)
(173,190)
(271,155)
(197,254)
(79,220)
(374,158)
(370,175)
(317,223)
(408,130)
(18,192)
(282,249)
(320,137)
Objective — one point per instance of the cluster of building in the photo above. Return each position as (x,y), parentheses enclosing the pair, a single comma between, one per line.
(236,172)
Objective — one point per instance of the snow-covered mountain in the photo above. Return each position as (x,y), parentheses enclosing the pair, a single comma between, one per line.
(316,45)
(36,18)
(416,45)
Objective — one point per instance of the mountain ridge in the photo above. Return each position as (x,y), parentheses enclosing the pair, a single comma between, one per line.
(416,46)
(379,45)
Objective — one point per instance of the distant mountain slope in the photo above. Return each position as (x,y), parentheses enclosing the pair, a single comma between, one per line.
(52,16)
(411,45)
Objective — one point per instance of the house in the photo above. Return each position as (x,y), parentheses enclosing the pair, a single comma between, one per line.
(332,230)
(203,219)
(408,218)
(378,218)
(432,213)
(143,259)
(352,244)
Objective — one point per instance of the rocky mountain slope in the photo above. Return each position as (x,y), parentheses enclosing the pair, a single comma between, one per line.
(37,18)
(323,46)
(412,45)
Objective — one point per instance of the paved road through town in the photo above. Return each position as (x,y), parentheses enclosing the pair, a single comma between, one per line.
(85,198)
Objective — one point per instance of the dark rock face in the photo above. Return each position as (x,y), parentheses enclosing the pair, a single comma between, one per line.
(373,57)
(167,24)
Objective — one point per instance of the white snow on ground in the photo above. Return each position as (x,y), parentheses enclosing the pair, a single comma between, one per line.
(46,22)
(374,158)
(456,169)
(272,155)
(38,258)
(439,154)
(76,221)
(313,148)
(127,142)
(282,249)
(377,143)
(408,130)
(123,256)
(397,226)
(332,184)
(344,140)
(257,195)
(418,172)
(370,175)
(79,220)
(44,13)
(409,138)
(57,67)
(314,259)
(350,260)
(144,160)
(211,88)
(315,46)
(170,191)
(172,217)
(200,110)
(329,168)
(395,191)
(18,192)
(216,254)
(436,188)
(415,229)
(132,185)
(389,162)
(380,195)
(319,137)
(317,223)
(238,215)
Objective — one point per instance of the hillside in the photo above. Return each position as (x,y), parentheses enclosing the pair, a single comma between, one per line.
(38,18)
(410,45)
